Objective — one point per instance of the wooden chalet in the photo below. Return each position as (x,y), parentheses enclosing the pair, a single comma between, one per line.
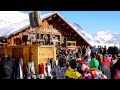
(54,31)
(53,25)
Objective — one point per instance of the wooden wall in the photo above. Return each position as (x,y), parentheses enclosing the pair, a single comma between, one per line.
(38,54)
(41,30)
(57,24)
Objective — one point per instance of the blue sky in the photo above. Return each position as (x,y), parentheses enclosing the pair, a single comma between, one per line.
(93,21)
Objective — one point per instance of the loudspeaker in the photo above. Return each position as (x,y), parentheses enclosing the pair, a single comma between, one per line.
(35,20)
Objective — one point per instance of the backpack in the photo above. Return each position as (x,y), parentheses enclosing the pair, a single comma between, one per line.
(117,74)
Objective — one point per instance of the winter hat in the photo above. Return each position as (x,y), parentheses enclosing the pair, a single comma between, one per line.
(94,63)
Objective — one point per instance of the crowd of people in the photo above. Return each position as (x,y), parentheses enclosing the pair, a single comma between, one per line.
(81,63)
(85,63)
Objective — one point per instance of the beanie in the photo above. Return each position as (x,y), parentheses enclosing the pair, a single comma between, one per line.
(94,63)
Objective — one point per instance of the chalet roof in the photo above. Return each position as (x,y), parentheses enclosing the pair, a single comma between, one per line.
(18,26)
(81,32)
(12,26)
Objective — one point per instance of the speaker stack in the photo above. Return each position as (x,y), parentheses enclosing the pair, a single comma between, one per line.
(34,18)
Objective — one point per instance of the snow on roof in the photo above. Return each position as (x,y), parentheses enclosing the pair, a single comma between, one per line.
(12,22)
(10,17)
(48,15)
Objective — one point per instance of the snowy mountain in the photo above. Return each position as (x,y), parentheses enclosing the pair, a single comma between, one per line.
(101,38)
(87,35)
(108,37)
